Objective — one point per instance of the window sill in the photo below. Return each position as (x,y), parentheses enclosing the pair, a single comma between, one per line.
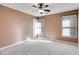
(68,37)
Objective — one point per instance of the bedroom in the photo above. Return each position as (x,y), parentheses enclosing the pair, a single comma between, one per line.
(56,29)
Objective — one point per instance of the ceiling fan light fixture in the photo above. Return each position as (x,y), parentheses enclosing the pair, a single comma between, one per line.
(40,10)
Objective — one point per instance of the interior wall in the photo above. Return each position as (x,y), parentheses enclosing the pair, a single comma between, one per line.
(78,26)
(53,26)
(15,26)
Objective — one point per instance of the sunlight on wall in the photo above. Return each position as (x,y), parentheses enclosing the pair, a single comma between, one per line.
(18,32)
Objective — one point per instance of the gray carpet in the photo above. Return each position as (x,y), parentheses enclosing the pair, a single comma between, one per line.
(41,47)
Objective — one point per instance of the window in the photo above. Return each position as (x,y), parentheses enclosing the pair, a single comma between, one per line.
(37,27)
(69,26)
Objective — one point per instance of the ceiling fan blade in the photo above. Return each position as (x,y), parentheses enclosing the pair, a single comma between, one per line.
(45,6)
(46,10)
(34,6)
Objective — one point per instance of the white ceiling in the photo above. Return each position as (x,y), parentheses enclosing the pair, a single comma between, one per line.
(54,7)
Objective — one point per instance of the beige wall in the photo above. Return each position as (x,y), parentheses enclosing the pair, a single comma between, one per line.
(53,26)
(14,26)
(78,26)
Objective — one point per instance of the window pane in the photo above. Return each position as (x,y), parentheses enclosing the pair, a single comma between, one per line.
(66,23)
(73,32)
(73,21)
(38,24)
(38,28)
(69,21)
(65,32)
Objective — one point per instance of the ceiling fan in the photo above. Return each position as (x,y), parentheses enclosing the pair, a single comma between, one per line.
(42,8)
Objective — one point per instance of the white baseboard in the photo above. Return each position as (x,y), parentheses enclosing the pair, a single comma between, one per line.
(11,45)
